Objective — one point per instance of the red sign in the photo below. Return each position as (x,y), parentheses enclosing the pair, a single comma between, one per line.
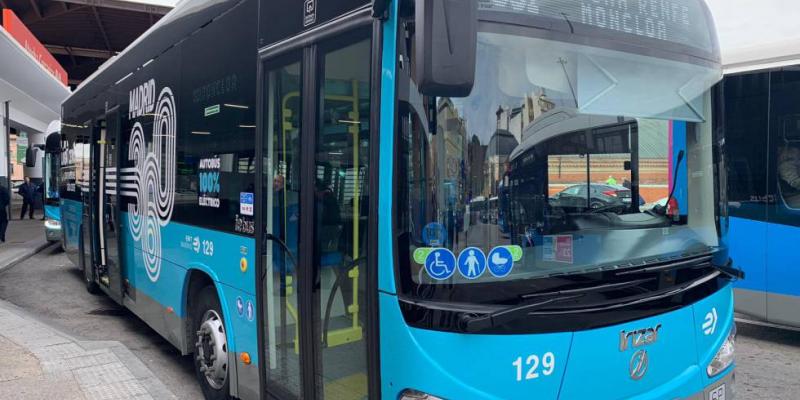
(25,38)
(564,248)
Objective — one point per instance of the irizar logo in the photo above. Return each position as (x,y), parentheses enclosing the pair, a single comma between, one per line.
(710,322)
(151,181)
(637,367)
(639,338)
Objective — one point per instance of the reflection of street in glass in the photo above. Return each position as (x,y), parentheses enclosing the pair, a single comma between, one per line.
(789,173)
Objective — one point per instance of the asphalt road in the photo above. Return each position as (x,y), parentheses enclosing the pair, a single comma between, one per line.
(768,363)
(51,288)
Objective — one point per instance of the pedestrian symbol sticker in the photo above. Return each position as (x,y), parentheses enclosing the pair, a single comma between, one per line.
(500,262)
(240,306)
(440,264)
(471,262)
(250,311)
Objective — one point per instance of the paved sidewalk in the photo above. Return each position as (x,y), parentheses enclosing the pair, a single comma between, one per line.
(24,238)
(39,362)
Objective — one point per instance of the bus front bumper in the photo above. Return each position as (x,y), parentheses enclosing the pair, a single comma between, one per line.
(52,230)
(722,389)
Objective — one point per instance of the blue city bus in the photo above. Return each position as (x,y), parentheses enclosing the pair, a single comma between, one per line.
(275,187)
(762,151)
(503,206)
(52,208)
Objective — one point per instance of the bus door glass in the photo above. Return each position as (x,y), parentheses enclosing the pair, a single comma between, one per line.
(109,273)
(83,168)
(281,220)
(341,211)
(315,213)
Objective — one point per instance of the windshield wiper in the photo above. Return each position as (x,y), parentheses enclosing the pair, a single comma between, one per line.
(473,322)
(634,300)
(694,263)
(608,208)
(728,270)
(590,289)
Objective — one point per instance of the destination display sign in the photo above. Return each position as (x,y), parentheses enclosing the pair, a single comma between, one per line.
(678,21)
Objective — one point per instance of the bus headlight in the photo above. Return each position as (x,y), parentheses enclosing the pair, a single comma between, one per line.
(724,357)
(52,224)
(411,394)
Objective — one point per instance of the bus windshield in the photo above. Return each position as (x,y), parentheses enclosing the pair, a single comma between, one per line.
(560,162)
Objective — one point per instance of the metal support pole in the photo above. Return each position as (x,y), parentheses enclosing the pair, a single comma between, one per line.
(7,135)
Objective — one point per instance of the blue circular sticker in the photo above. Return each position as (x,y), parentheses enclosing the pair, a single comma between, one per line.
(500,262)
(240,306)
(471,262)
(440,264)
(251,312)
(434,234)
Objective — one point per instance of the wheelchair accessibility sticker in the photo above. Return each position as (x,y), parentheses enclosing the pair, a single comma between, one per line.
(471,262)
(440,264)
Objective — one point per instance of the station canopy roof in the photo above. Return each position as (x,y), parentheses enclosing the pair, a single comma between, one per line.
(82,34)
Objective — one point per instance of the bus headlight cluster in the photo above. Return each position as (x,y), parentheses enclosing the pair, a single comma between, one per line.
(52,224)
(724,357)
(411,394)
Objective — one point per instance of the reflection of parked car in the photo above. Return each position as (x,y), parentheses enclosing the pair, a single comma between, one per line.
(601,195)
(660,202)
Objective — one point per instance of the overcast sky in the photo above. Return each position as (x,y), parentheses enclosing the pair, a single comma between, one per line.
(746,23)
(741,23)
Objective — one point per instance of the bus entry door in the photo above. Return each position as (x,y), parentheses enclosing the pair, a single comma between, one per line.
(109,269)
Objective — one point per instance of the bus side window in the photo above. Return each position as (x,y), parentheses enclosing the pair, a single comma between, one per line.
(785,135)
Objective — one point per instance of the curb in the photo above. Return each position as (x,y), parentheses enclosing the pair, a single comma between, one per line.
(37,248)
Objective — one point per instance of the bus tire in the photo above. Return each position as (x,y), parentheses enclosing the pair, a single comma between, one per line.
(88,278)
(88,272)
(210,345)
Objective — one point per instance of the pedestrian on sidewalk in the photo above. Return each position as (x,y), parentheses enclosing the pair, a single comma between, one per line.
(5,200)
(28,192)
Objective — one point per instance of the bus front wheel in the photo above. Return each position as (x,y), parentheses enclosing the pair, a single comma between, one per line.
(88,278)
(211,345)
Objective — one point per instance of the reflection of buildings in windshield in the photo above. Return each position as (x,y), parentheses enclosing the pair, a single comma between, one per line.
(510,124)
(608,166)
(570,163)
(499,149)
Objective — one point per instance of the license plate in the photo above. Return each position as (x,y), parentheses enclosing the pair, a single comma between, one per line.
(718,393)
(626,199)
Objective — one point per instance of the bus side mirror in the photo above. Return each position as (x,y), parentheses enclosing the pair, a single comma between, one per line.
(52,143)
(30,157)
(446,36)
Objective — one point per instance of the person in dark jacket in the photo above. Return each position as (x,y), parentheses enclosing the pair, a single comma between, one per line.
(28,192)
(5,199)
